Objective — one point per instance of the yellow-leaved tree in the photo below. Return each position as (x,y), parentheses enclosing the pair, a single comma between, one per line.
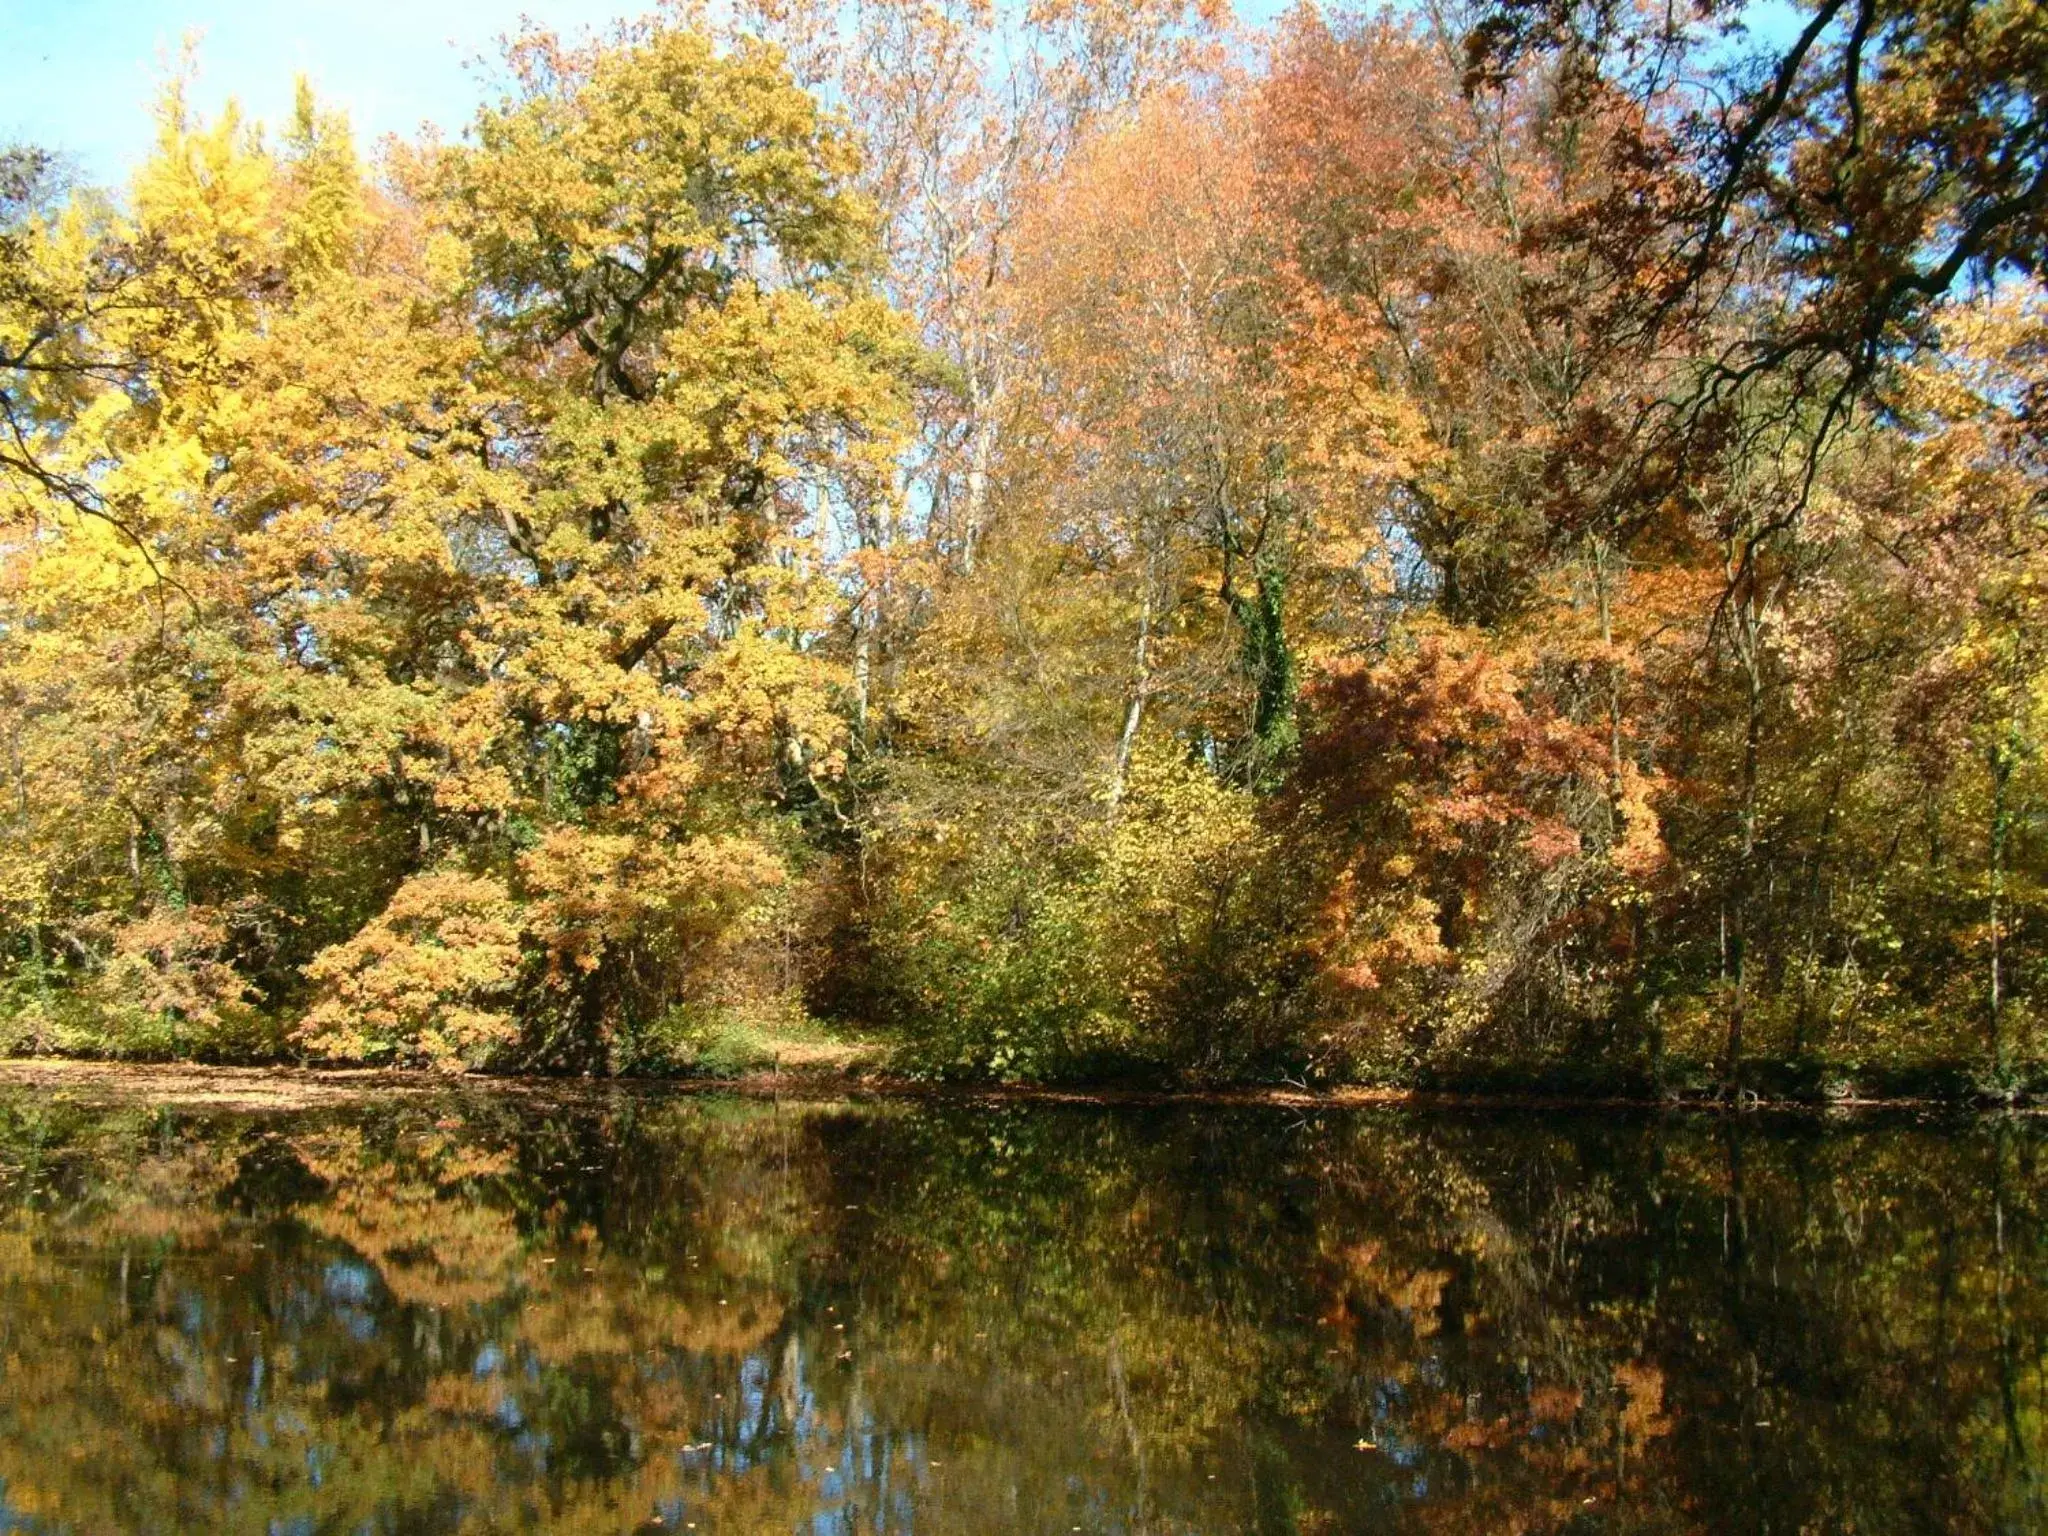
(414,587)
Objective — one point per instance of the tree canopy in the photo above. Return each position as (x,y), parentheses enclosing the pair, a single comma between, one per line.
(1488,539)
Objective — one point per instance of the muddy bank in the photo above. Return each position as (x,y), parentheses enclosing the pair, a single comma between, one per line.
(282,1088)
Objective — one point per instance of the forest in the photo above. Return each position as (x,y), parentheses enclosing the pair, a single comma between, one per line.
(1490,543)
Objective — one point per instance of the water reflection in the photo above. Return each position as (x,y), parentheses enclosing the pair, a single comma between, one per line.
(662,1314)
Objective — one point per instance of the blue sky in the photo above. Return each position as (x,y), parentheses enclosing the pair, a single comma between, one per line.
(81,73)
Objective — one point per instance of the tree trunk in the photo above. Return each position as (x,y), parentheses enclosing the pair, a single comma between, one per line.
(1749,640)
(866,616)
(1738,1003)
(981,449)
(1141,684)
(2003,757)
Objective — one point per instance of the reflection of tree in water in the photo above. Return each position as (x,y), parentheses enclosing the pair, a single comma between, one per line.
(749,1316)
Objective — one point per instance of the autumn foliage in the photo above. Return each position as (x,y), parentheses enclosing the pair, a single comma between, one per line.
(1080,537)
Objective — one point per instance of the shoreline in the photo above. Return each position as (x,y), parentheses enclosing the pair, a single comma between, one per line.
(202,1085)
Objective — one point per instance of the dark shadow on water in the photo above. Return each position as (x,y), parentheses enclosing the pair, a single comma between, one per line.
(474,1312)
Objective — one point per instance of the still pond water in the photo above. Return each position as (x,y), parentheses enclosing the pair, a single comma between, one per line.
(635,1312)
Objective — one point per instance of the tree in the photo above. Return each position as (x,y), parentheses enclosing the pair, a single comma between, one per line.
(1823,194)
(494,508)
